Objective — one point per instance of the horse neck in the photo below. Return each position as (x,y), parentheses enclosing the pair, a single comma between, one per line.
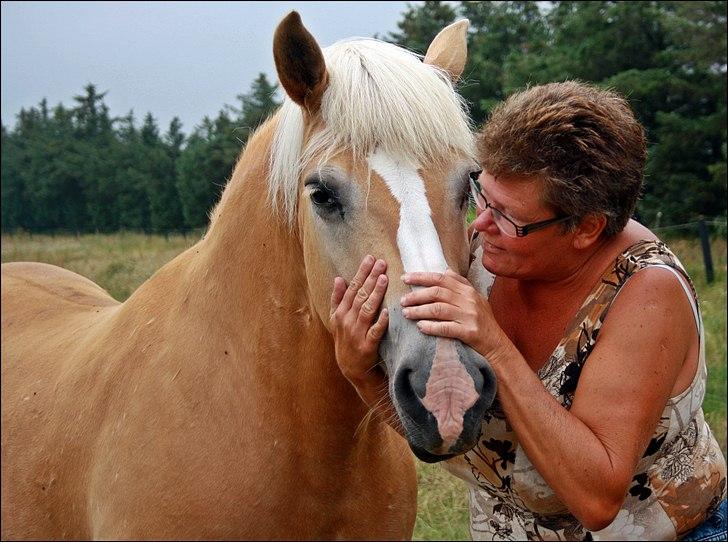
(253,269)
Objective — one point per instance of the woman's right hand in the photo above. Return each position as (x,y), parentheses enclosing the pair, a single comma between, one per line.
(355,327)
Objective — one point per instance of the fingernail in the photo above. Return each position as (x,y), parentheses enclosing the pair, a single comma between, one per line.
(382,279)
(405,277)
(405,313)
(369,258)
(386,312)
(403,300)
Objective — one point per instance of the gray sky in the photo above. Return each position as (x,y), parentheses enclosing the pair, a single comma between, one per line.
(171,58)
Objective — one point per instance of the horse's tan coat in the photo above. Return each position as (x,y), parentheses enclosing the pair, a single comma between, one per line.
(149,419)
(208,405)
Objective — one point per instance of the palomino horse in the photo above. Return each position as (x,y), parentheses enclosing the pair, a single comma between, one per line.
(210,404)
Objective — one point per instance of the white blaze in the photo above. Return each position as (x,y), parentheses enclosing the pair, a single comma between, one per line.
(417,239)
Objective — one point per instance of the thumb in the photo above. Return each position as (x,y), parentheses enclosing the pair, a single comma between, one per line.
(379,328)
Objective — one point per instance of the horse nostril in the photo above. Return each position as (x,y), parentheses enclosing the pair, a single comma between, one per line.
(408,394)
(403,387)
(487,385)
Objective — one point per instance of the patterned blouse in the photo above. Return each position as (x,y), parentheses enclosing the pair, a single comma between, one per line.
(680,479)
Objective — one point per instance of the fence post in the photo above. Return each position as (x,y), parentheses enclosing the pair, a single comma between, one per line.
(705,242)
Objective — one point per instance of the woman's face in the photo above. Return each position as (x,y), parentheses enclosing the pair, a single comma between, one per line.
(538,255)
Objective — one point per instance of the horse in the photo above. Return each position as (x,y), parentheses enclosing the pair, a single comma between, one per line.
(209,404)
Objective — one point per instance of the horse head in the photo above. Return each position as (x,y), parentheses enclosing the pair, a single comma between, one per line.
(372,154)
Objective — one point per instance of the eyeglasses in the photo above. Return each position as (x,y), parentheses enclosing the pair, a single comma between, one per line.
(505,224)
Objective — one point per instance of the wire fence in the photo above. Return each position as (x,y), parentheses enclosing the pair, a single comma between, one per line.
(703,233)
(720,224)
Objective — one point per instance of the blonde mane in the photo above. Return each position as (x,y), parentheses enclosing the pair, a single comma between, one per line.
(379,96)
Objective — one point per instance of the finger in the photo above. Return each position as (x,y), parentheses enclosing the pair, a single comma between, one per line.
(457,276)
(377,331)
(430,294)
(337,294)
(357,282)
(422,278)
(368,287)
(431,311)
(370,307)
(440,329)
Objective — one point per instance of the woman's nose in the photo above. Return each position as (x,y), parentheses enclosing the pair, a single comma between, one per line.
(484,221)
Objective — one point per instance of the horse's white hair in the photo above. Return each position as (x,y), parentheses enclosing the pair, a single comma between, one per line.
(379,96)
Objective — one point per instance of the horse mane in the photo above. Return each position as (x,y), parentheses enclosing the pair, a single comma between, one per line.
(379,96)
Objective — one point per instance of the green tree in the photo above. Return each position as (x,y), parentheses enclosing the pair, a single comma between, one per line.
(95,143)
(205,166)
(160,157)
(206,163)
(255,106)
(420,24)
(667,58)
(502,33)
(132,177)
(12,187)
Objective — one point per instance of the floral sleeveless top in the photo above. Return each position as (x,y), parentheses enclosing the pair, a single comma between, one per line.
(680,479)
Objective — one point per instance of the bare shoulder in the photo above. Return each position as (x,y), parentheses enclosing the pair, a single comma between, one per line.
(634,231)
(644,342)
(651,305)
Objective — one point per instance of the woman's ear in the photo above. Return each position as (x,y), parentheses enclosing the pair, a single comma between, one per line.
(588,230)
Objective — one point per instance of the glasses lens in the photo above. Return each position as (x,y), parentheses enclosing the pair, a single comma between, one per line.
(476,196)
(504,225)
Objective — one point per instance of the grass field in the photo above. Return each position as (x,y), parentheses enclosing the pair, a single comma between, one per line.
(120,263)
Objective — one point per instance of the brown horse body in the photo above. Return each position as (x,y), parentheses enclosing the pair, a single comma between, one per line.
(139,419)
(209,404)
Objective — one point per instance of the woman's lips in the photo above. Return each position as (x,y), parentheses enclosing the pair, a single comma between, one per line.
(489,247)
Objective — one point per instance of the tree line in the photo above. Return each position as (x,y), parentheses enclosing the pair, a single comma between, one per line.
(80,169)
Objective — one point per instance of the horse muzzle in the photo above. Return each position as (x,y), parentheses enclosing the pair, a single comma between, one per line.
(439,387)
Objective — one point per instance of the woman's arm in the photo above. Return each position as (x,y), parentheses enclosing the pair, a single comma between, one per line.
(587,454)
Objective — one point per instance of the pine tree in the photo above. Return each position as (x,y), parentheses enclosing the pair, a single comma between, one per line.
(255,106)
(205,166)
(12,187)
(160,157)
(420,24)
(95,142)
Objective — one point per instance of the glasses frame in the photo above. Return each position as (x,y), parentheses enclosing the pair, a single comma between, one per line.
(521,231)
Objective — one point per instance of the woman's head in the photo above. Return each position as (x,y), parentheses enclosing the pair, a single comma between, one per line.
(582,142)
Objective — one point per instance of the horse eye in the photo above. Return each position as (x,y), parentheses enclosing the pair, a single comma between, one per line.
(325,202)
(323,198)
(465,198)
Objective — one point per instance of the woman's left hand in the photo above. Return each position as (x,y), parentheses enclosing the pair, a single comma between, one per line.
(447,305)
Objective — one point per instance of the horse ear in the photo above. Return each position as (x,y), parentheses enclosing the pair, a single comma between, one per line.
(300,63)
(449,49)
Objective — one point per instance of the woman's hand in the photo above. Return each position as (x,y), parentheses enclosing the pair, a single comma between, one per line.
(447,305)
(354,325)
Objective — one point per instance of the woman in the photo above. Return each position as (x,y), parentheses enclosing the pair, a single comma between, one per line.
(590,323)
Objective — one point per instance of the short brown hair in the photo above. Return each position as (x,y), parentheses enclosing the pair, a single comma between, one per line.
(584,142)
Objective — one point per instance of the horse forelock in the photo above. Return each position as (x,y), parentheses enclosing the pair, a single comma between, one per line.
(379,96)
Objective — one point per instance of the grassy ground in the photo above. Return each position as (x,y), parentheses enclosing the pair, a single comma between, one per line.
(120,263)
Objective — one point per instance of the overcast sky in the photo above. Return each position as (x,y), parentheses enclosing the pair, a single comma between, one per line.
(184,59)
